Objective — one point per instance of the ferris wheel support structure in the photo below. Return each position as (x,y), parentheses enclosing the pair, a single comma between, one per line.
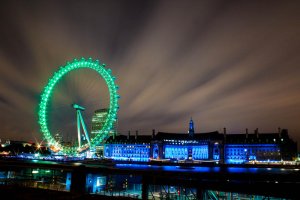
(81,121)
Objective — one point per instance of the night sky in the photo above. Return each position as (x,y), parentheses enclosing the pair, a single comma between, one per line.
(232,64)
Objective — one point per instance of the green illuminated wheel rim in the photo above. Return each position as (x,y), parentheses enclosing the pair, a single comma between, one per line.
(47,93)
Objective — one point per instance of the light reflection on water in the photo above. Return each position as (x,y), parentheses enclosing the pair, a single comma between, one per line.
(42,162)
(242,170)
(171,168)
(203,169)
(168,168)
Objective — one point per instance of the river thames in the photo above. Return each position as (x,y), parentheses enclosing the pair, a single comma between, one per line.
(150,181)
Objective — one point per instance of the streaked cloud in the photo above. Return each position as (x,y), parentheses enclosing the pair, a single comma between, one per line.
(226,64)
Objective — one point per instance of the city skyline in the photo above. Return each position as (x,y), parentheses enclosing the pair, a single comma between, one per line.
(226,64)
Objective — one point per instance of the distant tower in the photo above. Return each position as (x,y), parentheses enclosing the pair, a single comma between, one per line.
(98,122)
(58,138)
(191,128)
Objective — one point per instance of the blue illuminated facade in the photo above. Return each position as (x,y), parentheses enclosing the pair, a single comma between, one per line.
(177,152)
(256,147)
(178,146)
(130,152)
(204,146)
(242,153)
(213,146)
(198,152)
(128,148)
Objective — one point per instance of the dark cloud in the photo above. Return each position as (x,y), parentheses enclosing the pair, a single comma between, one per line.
(226,64)
(4,101)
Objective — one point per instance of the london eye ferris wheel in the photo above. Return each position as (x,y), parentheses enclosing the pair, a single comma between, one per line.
(81,131)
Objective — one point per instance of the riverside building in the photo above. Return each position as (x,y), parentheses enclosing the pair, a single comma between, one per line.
(203,147)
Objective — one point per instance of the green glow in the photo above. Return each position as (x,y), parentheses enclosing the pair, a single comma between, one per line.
(46,95)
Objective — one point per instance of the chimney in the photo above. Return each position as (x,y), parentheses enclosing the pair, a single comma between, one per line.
(246,133)
(279,132)
(224,132)
(136,134)
(128,137)
(256,132)
(153,133)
